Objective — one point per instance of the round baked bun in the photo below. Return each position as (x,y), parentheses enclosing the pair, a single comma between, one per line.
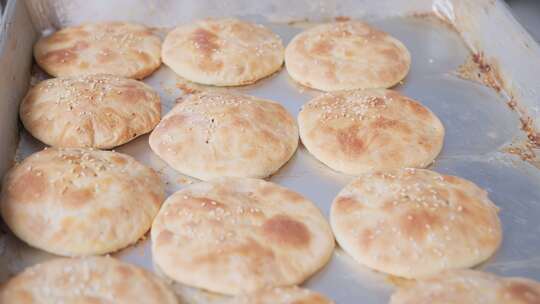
(414,222)
(92,280)
(469,287)
(209,135)
(346,56)
(237,235)
(118,48)
(96,111)
(223,52)
(284,295)
(77,202)
(364,130)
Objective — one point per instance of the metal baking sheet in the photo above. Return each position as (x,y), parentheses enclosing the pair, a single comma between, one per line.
(479,124)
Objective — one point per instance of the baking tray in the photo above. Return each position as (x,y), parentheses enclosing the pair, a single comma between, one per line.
(472,64)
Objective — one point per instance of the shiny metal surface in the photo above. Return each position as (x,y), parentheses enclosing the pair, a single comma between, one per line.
(528,13)
(478,124)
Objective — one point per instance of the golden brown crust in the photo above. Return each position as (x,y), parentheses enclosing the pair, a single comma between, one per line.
(468,287)
(346,56)
(365,130)
(287,295)
(223,52)
(235,235)
(209,135)
(78,202)
(415,222)
(93,280)
(95,111)
(117,48)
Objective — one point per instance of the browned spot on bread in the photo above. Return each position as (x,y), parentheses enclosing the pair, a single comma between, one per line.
(205,41)
(106,55)
(164,238)
(286,231)
(342,19)
(451,179)
(84,65)
(313,299)
(346,204)
(322,47)
(270,137)
(249,153)
(239,70)
(79,33)
(156,198)
(75,198)
(254,253)
(385,74)
(24,296)
(292,196)
(383,123)
(522,292)
(391,54)
(418,109)
(349,142)
(143,57)
(133,94)
(120,288)
(67,225)
(240,122)
(415,224)
(29,187)
(340,32)
(388,206)
(60,56)
(118,160)
(124,271)
(171,122)
(462,197)
(377,102)
(266,191)
(80,45)
(366,238)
